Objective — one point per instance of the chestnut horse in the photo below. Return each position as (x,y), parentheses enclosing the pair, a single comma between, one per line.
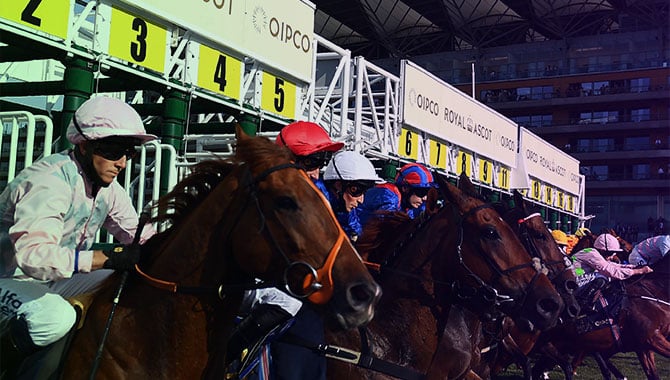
(515,344)
(254,216)
(643,323)
(464,254)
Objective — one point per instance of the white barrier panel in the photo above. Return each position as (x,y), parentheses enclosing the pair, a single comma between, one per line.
(20,128)
(547,163)
(431,105)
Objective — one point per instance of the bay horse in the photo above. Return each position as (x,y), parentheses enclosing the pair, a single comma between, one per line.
(464,254)
(513,344)
(256,215)
(643,324)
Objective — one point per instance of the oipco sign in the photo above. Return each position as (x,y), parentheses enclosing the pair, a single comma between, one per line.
(277,33)
(433,106)
(545,162)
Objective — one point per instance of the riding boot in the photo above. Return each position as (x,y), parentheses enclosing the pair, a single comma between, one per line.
(262,320)
(15,346)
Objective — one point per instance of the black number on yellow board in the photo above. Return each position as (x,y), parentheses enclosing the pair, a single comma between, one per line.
(536,190)
(220,72)
(138,50)
(408,143)
(486,171)
(279,99)
(439,151)
(28,13)
(464,160)
(504,178)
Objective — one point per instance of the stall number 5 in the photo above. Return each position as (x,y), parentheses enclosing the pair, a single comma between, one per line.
(279,95)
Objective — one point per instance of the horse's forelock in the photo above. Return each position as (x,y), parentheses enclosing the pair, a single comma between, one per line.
(260,153)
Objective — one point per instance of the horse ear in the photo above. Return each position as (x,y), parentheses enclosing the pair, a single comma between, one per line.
(449,191)
(518,200)
(239,132)
(465,185)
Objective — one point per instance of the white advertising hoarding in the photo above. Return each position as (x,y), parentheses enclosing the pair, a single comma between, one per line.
(432,105)
(277,33)
(548,164)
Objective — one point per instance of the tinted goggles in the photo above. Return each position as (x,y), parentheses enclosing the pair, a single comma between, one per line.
(356,189)
(420,191)
(314,161)
(114,150)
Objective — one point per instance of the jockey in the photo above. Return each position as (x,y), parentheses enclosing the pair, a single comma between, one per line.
(311,146)
(650,251)
(50,213)
(594,267)
(408,194)
(271,308)
(348,176)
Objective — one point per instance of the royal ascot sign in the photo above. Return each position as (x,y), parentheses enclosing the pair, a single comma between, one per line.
(545,162)
(433,106)
(277,33)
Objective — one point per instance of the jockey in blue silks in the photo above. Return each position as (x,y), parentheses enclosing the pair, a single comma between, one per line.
(408,194)
(348,176)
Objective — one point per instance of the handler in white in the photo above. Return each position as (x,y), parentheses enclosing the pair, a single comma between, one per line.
(50,214)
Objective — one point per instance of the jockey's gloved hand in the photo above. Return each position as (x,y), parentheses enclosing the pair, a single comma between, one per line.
(262,319)
(122,257)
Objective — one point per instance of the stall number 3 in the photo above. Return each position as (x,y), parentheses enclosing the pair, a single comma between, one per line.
(138,50)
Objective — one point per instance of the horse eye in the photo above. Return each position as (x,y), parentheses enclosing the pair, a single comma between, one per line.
(490,233)
(286,203)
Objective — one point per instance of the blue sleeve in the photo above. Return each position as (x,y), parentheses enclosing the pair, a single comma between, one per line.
(349,222)
(415,212)
(321,186)
(377,199)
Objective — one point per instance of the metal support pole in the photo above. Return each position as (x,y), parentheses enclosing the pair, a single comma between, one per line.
(78,79)
(389,171)
(553,220)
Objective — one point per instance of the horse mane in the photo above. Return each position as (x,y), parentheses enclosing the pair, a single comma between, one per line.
(257,152)
(382,230)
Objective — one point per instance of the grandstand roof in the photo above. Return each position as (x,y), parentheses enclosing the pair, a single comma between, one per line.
(406,28)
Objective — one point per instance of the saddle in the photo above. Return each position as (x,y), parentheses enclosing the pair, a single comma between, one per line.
(608,305)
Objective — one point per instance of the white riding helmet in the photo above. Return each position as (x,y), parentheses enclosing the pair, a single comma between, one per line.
(607,242)
(351,166)
(102,117)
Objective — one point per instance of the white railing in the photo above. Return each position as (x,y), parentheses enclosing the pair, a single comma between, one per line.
(19,132)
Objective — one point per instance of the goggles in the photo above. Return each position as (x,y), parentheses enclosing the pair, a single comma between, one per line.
(420,191)
(358,188)
(114,149)
(314,161)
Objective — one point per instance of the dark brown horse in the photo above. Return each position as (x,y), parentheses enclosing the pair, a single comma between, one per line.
(255,216)
(513,344)
(464,254)
(643,324)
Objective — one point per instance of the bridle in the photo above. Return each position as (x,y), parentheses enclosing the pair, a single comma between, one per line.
(318,283)
(489,292)
(529,243)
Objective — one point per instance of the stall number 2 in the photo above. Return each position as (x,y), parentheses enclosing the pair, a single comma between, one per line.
(51,17)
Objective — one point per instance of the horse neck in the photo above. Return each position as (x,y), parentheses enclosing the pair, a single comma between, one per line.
(193,247)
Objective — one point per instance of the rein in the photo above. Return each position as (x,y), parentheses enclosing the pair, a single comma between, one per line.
(318,283)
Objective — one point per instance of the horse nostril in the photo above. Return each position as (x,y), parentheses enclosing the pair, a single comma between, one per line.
(547,305)
(570,286)
(361,296)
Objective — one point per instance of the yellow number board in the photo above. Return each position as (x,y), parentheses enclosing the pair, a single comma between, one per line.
(548,195)
(485,171)
(438,154)
(503,178)
(219,72)
(570,206)
(408,144)
(48,16)
(137,40)
(560,200)
(464,163)
(278,96)
(535,192)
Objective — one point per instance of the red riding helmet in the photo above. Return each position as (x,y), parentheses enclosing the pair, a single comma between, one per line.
(414,175)
(304,138)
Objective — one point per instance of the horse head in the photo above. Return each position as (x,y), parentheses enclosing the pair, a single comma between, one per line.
(259,216)
(491,257)
(531,229)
